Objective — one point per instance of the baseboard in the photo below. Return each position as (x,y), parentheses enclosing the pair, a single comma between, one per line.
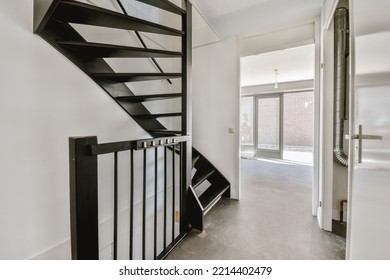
(60,251)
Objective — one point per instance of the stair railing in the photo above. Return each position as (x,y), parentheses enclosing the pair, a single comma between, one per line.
(83,163)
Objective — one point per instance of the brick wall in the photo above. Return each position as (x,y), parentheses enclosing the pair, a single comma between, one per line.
(297,122)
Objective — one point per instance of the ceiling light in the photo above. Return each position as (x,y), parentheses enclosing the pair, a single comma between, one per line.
(276,78)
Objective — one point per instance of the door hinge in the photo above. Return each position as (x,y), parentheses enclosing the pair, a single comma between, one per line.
(320,203)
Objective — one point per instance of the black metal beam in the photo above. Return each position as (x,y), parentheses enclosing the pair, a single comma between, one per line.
(115,205)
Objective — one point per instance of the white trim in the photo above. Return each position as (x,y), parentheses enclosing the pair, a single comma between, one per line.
(330,8)
(351,125)
(236,192)
(316,123)
(326,192)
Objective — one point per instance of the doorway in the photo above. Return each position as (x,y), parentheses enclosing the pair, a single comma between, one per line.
(277,117)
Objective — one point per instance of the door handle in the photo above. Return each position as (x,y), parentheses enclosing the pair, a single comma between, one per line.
(358,144)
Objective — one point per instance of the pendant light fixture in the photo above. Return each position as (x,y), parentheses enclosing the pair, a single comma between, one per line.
(276,78)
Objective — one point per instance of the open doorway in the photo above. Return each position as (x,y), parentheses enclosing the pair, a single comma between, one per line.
(277,118)
(277,105)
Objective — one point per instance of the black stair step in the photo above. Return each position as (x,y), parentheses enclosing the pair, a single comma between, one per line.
(135,77)
(195,157)
(155,116)
(165,5)
(77,12)
(151,97)
(211,196)
(200,176)
(165,132)
(107,50)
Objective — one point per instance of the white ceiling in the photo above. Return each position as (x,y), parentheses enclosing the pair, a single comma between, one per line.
(295,64)
(250,17)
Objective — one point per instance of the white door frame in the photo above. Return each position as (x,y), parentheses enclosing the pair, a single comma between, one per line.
(325,207)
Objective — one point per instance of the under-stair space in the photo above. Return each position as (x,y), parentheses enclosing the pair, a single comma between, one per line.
(108,44)
(208,187)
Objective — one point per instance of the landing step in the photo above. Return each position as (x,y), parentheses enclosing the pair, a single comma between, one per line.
(165,132)
(106,50)
(151,97)
(200,177)
(135,77)
(156,116)
(82,13)
(211,196)
(165,5)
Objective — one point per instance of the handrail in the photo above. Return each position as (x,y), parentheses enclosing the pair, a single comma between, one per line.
(106,148)
(142,41)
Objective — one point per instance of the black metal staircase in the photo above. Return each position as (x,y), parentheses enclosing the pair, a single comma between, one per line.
(53,21)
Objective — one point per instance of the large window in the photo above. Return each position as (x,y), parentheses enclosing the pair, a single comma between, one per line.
(278,126)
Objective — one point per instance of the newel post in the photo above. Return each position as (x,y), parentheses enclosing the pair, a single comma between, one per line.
(83,199)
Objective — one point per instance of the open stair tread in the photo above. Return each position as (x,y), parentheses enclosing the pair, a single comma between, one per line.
(135,77)
(155,116)
(210,196)
(200,176)
(165,5)
(82,13)
(150,97)
(107,50)
(165,132)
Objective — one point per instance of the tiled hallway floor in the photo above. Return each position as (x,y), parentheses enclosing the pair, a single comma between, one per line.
(271,221)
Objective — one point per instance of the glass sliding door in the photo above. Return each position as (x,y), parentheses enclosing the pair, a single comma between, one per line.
(278,125)
(269,126)
(246,126)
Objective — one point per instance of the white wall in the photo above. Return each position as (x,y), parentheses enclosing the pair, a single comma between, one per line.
(44,100)
(291,37)
(216,90)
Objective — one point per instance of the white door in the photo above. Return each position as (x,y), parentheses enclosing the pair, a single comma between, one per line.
(369,173)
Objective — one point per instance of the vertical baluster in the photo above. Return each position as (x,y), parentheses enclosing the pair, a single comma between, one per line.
(144,208)
(131,203)
(165,198)
(115,205)
(180,181)
(155,200)
(173,191)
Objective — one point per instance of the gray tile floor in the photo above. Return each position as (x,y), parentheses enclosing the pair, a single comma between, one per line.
(271,221)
